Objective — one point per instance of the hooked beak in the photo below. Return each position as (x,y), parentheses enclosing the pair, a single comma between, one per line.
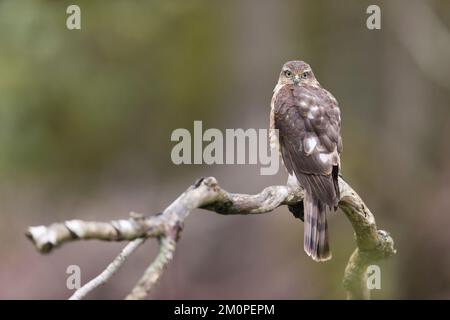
(296,79)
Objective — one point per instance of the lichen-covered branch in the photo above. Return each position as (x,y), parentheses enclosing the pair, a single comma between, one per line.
(155,270)
(372,244)
(46,238)
(112,268)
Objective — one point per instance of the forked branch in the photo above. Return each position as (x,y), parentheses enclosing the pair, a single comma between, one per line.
(372,244)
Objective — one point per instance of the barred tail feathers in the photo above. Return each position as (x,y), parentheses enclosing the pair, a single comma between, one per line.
(316,229)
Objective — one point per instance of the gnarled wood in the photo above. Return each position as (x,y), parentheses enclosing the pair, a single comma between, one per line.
(372,244)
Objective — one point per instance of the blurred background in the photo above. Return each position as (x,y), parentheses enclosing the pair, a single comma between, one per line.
(86,118)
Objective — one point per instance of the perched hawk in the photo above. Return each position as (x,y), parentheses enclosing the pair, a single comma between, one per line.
(308,121)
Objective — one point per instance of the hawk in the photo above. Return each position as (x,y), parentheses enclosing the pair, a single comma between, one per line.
(308,121)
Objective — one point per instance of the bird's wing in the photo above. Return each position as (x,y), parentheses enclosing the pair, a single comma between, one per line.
(308,121)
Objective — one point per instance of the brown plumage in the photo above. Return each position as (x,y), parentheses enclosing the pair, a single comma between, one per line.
(308,121)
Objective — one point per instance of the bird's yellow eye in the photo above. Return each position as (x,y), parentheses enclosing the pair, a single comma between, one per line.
(305,74)
(287,73)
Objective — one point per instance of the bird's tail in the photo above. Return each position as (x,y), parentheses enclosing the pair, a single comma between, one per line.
(316,229)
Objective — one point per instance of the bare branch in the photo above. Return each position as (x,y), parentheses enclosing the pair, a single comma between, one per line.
(112,268)
(47,238)
(372,244)
(155,270)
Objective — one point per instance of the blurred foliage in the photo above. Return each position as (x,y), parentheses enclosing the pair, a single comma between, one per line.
(72,102)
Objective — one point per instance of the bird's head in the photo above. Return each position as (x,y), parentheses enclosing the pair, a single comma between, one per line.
(298,73)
